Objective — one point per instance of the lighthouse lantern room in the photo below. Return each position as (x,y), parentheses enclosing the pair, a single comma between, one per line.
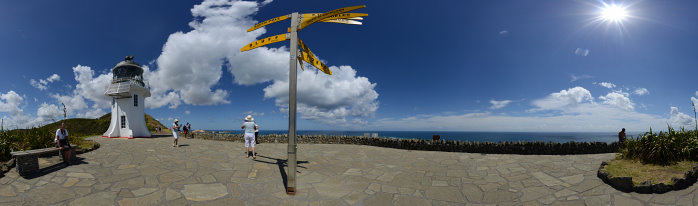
(128,92)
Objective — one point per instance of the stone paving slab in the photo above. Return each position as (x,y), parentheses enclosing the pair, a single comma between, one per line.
(202,172)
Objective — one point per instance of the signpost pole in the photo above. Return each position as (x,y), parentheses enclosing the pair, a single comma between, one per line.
(291,176)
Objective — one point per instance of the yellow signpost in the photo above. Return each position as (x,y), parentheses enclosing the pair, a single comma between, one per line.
(265,41)
(328,14)
(298,22)
(267,22)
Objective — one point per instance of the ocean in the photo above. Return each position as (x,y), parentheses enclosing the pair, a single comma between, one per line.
(607,137)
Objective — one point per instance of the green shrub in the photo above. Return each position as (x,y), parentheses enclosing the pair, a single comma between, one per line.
(663,148)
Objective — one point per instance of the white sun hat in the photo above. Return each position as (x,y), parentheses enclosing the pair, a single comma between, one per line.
(249,118)
(176,120)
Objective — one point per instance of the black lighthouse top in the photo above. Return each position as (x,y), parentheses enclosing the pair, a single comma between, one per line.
(128,70)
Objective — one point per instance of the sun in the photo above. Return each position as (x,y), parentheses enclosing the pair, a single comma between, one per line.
(613,13)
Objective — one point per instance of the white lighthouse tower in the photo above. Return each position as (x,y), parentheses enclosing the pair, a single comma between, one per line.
(128,93)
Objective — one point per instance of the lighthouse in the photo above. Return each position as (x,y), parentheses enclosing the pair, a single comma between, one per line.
(128,92)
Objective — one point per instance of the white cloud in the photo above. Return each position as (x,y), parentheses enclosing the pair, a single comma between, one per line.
(499,104)
(92,113)
(73,104)
(618,99)
(696,93)
(9,102)
(606,84)
(191,64)
(48,112)
(330,99)
(679,119)
(187,112)
(564,98)
(583,76)
(42,84)
(695,102)
(253,113)
(504,33)
(641,91)
(581,52)
(572,110)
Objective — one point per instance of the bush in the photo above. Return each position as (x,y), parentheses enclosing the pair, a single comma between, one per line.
(665,148)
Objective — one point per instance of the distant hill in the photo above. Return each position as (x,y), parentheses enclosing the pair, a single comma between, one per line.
(85,127)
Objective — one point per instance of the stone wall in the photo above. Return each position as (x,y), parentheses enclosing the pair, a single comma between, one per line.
(527,148)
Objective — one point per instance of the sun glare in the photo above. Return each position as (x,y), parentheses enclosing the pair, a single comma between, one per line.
(613,13)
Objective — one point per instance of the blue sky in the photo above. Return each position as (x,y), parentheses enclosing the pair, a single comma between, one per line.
(447,66)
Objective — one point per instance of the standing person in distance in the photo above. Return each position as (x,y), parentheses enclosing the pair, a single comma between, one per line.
(621,137)
(256,133)
(249,127)
(175,130)
(186,130)
(61,141)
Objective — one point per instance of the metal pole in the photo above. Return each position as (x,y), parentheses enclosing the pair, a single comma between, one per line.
(292,77)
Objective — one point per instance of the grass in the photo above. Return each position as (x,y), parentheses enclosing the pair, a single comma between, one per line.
(42,137)
(654,173)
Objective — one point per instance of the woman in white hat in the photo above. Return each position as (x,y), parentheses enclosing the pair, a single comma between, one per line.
(249,127)
(175,129)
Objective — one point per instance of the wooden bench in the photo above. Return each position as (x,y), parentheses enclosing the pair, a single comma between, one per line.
(27,162)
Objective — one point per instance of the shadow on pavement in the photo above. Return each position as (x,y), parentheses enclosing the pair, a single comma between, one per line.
(54,168)
(281,163)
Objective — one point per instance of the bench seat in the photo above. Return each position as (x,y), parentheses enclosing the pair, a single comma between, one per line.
(27,161)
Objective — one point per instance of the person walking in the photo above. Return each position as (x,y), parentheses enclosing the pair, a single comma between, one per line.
(175,130)
(249,127)
(61,141)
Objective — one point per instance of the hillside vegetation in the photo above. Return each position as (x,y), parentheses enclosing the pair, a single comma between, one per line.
(42,137)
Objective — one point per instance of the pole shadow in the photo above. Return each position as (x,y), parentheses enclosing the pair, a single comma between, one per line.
(281,163)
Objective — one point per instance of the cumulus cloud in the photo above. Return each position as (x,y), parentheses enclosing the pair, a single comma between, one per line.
(48,112)
(499,104)
(198,56)
(253,113)
(618,99)
(92,87)
(187,112)
(641,91)
(679,119)
(606,84)
(573,111)
(504,33)
(564,98)
(9,102)
(581,52)
(330,99)
(575,77)
(42,84)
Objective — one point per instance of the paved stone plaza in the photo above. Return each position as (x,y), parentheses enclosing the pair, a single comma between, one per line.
(152,172)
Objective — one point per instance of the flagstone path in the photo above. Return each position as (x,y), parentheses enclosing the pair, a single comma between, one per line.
(203,172)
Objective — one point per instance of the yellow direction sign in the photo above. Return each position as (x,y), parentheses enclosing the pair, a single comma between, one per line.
(343,21)
(316,63)
(305,48)
(265,41)
(328,14)
(267,22)
(353,16)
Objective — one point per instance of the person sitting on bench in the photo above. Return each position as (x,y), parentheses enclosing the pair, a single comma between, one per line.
(61,141)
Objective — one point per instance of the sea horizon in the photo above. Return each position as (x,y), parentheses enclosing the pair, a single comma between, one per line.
(472,136)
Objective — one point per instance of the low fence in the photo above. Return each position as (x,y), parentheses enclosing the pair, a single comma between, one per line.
(525,148)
